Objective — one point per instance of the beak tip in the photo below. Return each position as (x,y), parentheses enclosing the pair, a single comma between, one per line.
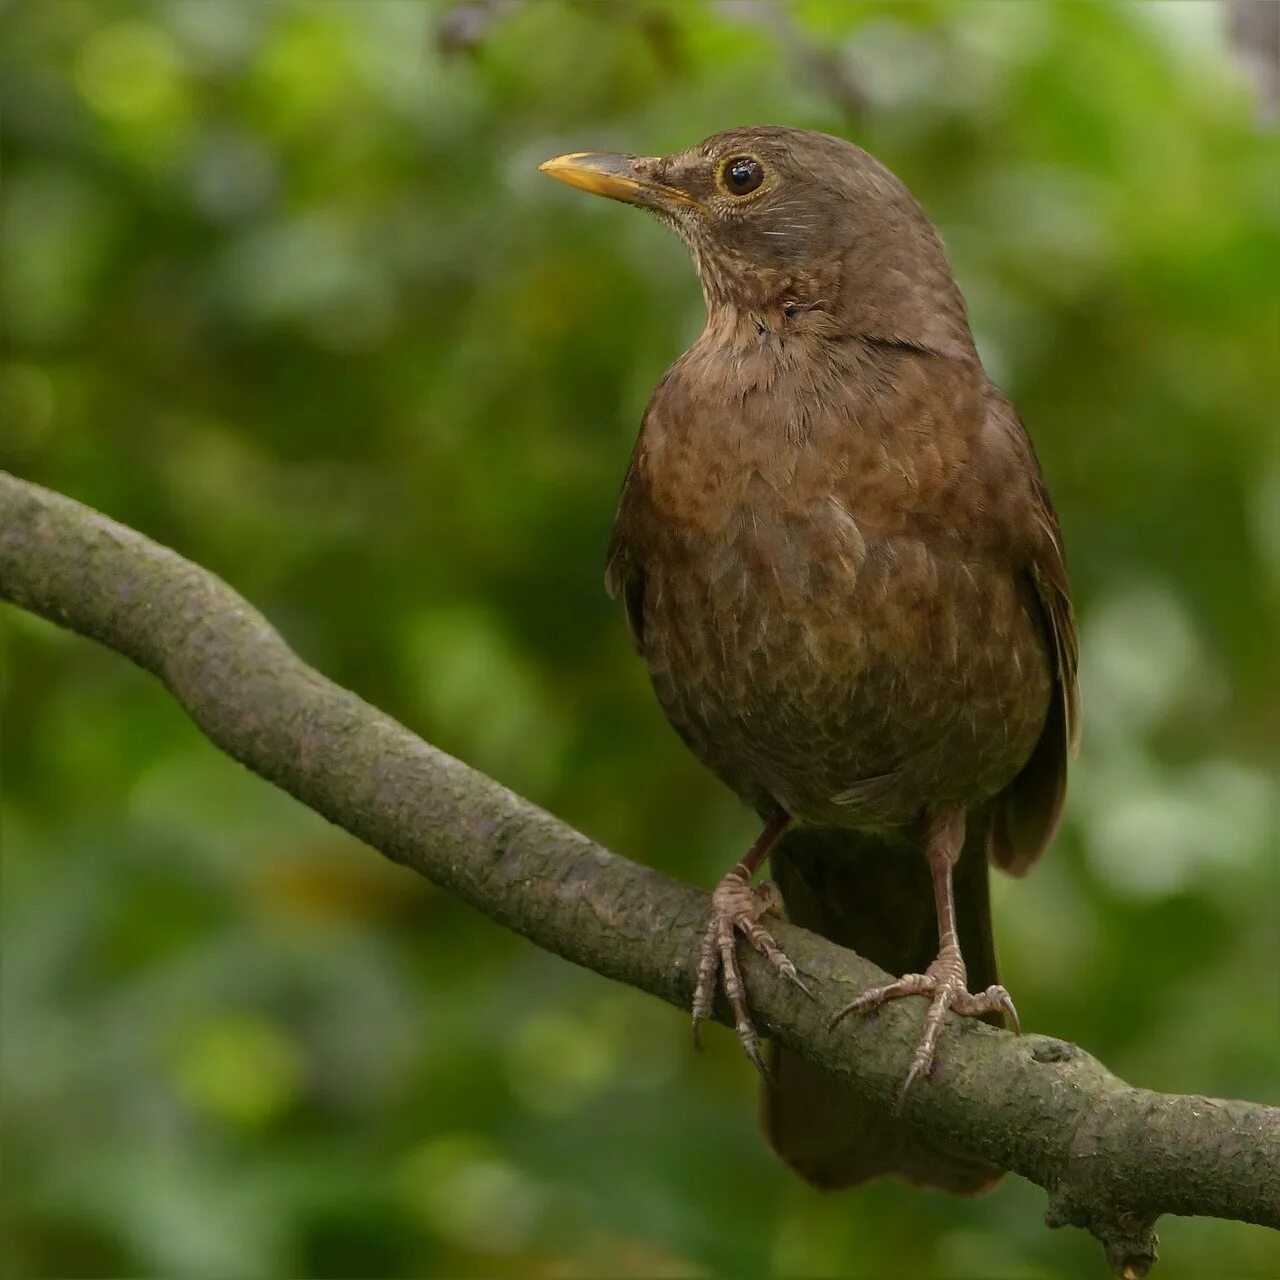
(559,163)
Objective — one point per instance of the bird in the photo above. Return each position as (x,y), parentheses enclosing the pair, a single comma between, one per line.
(836,554)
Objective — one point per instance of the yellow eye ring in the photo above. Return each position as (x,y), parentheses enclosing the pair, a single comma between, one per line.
(740,176)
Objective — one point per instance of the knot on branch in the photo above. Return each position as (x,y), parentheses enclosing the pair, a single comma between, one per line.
(1090,1192)
(1128,1239)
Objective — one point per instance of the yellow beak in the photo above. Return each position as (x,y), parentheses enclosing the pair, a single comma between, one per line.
(620,177)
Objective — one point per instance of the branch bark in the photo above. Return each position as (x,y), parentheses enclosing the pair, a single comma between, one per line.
(1113,1158)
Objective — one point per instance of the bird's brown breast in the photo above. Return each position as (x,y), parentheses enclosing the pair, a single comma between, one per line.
(830,604)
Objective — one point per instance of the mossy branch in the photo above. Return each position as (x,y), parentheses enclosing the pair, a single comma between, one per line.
(1112,1158)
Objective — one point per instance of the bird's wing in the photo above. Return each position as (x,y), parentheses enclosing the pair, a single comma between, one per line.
(1026,814)
(624,581)
(623,572)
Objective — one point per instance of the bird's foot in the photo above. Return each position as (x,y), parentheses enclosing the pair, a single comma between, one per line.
(946,983)
(736,907)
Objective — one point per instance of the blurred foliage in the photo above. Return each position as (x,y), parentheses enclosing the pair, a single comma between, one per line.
(283,289)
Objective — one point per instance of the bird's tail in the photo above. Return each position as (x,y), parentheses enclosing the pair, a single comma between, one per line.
(856,890)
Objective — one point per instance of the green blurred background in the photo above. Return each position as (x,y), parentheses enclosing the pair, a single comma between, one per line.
(284,290)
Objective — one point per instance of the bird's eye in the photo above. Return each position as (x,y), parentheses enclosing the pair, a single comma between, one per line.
(742,175)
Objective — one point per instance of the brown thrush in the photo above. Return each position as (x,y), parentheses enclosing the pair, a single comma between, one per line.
(839,561)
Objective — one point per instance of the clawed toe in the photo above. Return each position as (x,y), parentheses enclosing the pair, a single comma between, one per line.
(911,984)
(736,908)
(945,983)
(995,999)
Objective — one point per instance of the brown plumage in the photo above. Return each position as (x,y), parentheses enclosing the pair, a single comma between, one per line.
(840,564)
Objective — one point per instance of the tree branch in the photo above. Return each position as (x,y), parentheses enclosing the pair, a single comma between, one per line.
(1112,1158)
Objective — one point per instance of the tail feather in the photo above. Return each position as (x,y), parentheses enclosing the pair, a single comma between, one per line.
(863,893)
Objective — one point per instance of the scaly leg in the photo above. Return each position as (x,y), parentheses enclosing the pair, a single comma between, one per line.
(945,980)
(735,906)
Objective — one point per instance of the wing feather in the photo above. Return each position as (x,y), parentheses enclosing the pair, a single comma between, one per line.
(1027,813)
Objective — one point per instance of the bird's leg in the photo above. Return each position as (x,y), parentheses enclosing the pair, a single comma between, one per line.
(737,908)
(945,980)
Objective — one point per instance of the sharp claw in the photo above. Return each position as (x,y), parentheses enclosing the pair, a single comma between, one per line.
(913,1074)
(871,1000)
(753,1052)
(867,1002)
(1007,1003)
(788,971)
(799,982)
(841,1014)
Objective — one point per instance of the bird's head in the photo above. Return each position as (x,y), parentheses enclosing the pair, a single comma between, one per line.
(795,229)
